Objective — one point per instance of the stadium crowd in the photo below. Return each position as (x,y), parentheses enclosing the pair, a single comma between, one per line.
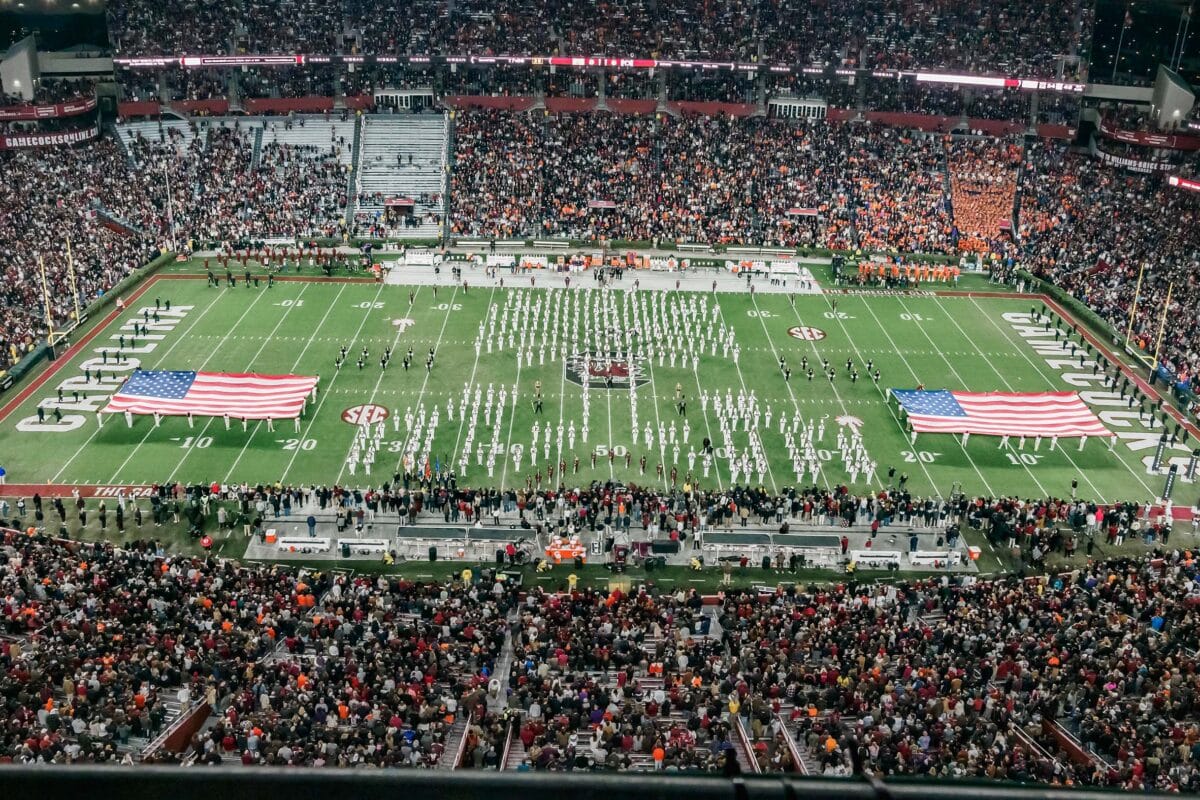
(1015,36)
(304,669)
(590,176)
(948,677)
(52,195)
(1090,229)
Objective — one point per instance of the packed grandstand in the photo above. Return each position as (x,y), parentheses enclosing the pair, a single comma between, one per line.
(1074,669)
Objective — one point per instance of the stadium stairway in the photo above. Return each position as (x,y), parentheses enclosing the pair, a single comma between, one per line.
(804,764)
(355,151)
(138,746)
(1070,745)
(177,131)
(318,132)
(384,170)
(741,748)
(498,700)
(514,749)
(452,755)
(256,152)
(797,732)
(116,134)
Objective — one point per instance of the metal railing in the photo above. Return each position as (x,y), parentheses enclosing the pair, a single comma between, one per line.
(269,783)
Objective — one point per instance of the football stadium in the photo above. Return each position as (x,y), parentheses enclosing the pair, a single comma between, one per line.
(657,398)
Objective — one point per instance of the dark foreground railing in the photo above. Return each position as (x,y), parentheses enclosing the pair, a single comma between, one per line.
(230,783)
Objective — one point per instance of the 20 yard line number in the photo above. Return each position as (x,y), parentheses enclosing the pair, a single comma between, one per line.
(923,456)
(298,444)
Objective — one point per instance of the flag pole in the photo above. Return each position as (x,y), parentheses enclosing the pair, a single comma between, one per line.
(46,302)
(1125,23)
(1137,293)
(71,275)
(1162,325)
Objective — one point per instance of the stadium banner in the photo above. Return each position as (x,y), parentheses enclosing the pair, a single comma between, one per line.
(1184,183)
(423,61)
(1147,139)
(71,108)
(1134,164)
(785,266)
(215,106)
(497,103)
(419,258)
(48,139)
(669,263)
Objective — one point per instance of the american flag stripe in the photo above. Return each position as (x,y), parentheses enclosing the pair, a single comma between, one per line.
(1044,414)
(242,396)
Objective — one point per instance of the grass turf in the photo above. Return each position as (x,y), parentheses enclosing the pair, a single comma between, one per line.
(940,342)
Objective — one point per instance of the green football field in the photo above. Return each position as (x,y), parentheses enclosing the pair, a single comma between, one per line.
(951,342)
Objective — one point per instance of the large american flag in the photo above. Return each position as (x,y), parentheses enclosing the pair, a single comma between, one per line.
(999,413)
(212,394)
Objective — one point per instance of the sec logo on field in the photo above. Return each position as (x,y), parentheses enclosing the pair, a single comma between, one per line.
(366,414)
(806,333)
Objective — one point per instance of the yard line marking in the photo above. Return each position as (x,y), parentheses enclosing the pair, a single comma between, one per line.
(295,365)
(462,418)
(94,433)
(836,393)
(382,372)
(420,395)
(878,388)
(738,369)
(925,334)
(562,389)
(278,324)
(1039,367)
(716,462)
(913,372)
(211,353)
(662,445)
(963,383)
(325,393)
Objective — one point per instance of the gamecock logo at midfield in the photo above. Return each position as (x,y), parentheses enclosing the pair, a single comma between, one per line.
(604,370)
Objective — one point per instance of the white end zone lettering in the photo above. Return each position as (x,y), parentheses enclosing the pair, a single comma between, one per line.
(68,423)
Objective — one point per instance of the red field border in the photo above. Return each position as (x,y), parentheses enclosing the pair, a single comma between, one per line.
(73,351)
(47,490)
